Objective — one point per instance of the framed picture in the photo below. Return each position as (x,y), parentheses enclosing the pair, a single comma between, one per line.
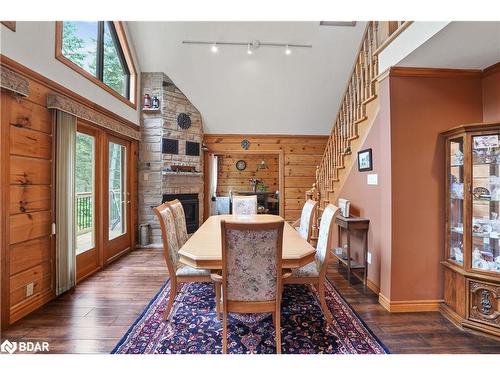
(365,160)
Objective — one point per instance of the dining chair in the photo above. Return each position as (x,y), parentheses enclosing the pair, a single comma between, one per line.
(177,272)
(251,272)
(244,205)
(180,221)
(314,273)
(305,223)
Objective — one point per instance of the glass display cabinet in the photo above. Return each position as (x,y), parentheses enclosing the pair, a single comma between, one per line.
(472,241)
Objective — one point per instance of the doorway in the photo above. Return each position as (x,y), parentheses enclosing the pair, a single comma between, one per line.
(102,183)
(245,173)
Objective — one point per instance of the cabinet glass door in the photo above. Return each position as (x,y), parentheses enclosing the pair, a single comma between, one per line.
(485,203)
(456,204)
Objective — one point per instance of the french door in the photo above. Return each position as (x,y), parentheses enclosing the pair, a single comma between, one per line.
(88,191)
(102,183)
(117,225)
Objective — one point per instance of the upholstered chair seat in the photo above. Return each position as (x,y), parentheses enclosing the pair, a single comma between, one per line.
(190,271)
(309,270)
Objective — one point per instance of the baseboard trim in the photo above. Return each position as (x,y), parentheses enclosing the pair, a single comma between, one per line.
(409,306)
(372,286)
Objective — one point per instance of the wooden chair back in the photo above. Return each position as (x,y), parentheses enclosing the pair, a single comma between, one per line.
(244,204)
(324,245)
(180,221)
(169,237)
(306,219)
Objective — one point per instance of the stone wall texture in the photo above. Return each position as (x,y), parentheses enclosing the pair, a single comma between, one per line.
(156,125)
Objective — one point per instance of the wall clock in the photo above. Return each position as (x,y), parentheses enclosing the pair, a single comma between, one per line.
(184,121)
(241,165)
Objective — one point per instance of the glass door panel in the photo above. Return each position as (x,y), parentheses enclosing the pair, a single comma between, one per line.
(85,192)
(456,204)
(117,191)
(485,203)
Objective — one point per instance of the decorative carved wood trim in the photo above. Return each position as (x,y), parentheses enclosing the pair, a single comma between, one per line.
(14,82)
(65,104)
(484,302)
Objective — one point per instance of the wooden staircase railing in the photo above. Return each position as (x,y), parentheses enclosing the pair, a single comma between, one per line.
(361,89)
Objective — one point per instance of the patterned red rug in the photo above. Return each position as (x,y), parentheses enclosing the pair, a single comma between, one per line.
(193,327)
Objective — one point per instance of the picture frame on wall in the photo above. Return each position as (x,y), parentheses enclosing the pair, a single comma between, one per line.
(365,162)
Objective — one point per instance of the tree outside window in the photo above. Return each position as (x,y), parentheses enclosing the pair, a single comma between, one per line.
(94,46)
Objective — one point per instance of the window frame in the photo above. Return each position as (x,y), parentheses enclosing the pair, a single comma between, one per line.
(119,37)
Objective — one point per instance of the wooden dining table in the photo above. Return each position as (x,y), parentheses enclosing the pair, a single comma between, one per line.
(204,248)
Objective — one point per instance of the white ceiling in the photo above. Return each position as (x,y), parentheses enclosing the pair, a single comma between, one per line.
(461,45)
(267,92)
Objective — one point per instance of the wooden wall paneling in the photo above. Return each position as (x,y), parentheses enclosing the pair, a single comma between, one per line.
(230,178)
(28,171)
(27,142)
(26,199)
(27,202)
(4,202)
(26,114)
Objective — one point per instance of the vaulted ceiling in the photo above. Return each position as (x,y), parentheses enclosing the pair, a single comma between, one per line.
(266,92)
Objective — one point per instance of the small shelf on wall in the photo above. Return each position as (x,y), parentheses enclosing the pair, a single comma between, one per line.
(151,110)
(172,173)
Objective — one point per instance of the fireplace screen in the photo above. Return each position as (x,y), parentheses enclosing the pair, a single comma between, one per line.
(190,204)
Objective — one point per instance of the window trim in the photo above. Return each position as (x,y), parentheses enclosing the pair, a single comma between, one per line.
(127,59)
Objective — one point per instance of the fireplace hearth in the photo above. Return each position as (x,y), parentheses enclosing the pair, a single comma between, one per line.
(190,203)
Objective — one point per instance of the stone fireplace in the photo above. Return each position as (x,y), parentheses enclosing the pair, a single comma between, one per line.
(190,203)
(170,154)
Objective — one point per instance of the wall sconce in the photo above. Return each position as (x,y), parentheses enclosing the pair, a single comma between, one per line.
(262,165)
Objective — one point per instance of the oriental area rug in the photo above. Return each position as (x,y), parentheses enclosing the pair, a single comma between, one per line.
(193,327)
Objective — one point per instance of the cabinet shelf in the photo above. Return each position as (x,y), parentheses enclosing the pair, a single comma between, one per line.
(472,285)
(354,264)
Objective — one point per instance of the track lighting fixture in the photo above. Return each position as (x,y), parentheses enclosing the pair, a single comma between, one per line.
(251,46)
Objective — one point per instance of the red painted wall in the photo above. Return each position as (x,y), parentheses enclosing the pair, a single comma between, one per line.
(406,208)
(491,96)
(421,108)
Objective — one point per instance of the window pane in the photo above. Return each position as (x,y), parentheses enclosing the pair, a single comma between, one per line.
(116,190)
(84,171)
(79,44)
(114,74)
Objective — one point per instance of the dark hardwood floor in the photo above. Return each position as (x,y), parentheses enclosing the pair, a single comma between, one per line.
(97,314)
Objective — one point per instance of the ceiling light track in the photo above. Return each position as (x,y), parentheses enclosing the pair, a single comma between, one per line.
(253,43)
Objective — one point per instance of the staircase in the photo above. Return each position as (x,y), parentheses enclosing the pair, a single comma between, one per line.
(356,114)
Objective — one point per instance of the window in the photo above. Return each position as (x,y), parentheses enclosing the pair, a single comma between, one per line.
(99,51)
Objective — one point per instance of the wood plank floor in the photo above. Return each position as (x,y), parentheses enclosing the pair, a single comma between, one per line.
(97,314)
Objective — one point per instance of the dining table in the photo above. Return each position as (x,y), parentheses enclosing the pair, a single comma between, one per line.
(203,249)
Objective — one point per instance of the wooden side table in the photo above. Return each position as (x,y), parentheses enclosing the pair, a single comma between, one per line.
(350,224)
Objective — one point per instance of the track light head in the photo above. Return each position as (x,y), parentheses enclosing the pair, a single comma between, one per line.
(288,51)
(214,48)
(249,50)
